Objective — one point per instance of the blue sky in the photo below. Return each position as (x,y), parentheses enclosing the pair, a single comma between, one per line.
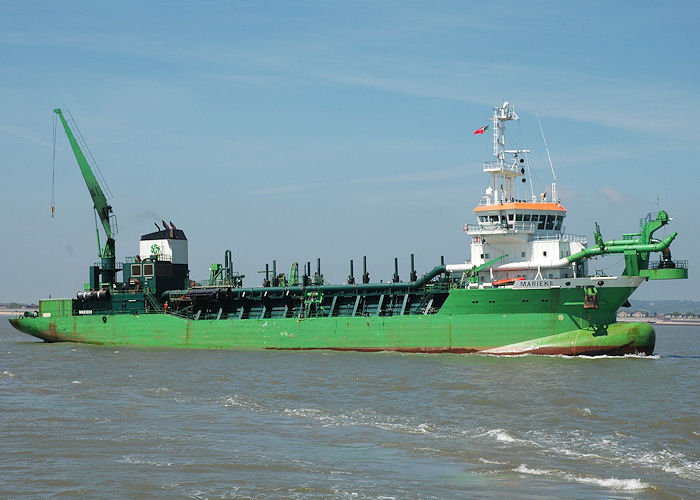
(293,131)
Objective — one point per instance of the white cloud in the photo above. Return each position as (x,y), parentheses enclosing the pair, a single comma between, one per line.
(22,134)
(614,197)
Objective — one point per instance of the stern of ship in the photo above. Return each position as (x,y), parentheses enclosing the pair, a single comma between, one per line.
(36,327)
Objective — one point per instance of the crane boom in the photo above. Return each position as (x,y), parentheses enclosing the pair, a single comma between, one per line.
(99,200)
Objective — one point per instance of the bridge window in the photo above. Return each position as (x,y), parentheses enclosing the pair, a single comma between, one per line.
(136,269)
(148,269)
(550,222)
(543,218)
(494,218)
(526,218)
(518,217)
(557,226)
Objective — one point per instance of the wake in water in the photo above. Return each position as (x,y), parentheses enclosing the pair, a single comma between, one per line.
(564,356)
(326,424)
(573,446)
(612,483)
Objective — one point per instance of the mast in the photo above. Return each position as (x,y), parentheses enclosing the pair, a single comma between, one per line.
(102,208)
(502,174)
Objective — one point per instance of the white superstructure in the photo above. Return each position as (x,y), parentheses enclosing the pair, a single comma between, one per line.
(529,233)
(166,245)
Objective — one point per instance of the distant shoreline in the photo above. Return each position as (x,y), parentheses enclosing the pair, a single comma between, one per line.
(660,321)
(14,312)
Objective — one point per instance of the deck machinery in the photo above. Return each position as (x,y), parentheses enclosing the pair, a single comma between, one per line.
(525,288)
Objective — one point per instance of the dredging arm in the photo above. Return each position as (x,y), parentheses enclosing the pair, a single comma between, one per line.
(636,248)
(101,206)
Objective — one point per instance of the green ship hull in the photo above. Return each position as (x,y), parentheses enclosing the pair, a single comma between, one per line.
(496,321)
(524,290)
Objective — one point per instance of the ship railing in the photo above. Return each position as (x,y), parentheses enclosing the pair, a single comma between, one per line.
(496,166)
(487,202)
(503,227)
(234,282)
(678,264)
(174,313)
(442,286)
(561,237)
(497,228)
(159,258)
(155,305)
(117,266)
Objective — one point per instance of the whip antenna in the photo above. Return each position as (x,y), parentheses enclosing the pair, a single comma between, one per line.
(555,197)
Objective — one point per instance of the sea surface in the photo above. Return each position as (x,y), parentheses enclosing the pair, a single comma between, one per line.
(113,422)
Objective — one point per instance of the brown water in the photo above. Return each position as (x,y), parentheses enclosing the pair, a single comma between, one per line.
(90,421)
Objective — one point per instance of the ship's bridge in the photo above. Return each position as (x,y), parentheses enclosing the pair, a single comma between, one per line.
(523,217)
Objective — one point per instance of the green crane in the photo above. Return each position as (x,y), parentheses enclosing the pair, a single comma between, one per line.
(102,208)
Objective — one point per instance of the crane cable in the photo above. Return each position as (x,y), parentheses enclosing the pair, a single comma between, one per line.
(53,168)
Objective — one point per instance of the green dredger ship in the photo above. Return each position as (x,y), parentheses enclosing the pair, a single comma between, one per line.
(525,289)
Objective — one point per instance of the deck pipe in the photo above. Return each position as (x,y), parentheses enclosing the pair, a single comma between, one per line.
(228,266)
(606,248)
(395,278)
(351,277)
(401,287)
(365,274)
(318,278)
(413,275)
(597,250)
